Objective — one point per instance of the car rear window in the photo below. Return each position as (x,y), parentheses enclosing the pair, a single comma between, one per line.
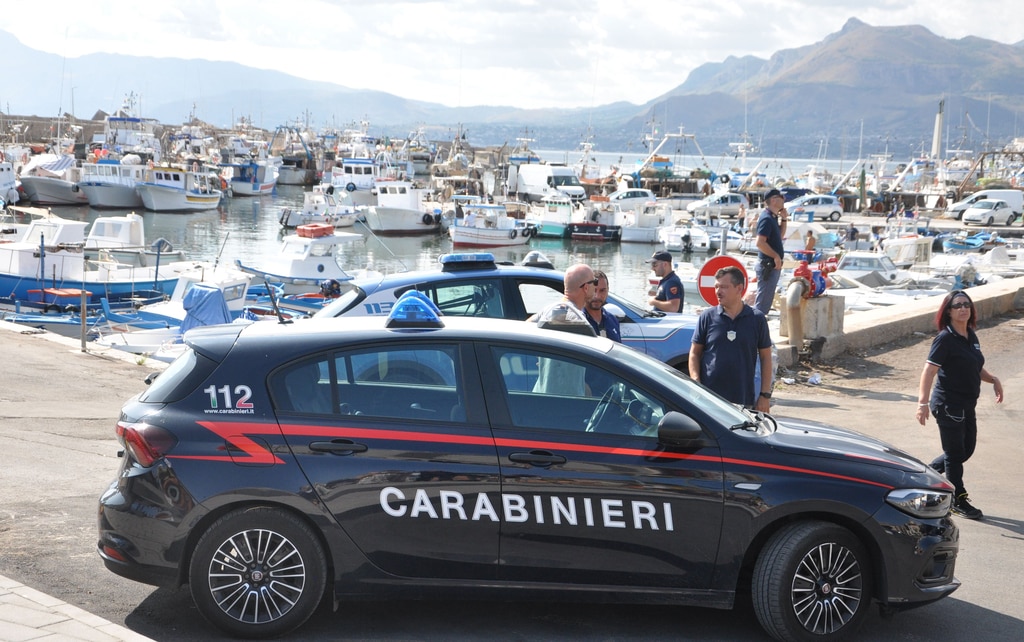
(179,379)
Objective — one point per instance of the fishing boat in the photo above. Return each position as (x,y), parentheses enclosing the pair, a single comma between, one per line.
(484,225)
(322,204)
(305,259)
(684,238)
(173,189)
(401,210)
(251,178)
(49,179)
(551,216)
(52,255)
(110,183)
(641,224)
(962,243)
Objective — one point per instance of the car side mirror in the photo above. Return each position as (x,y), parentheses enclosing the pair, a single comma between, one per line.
(615,311)
(677,429)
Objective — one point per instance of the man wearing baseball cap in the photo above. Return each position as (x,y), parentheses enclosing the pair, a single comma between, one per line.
(669,297)
(771,229)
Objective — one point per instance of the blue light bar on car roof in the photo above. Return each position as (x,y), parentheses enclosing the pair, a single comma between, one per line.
(466,257)
(414,310)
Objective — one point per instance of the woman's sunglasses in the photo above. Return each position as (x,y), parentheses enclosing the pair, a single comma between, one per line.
(957,306)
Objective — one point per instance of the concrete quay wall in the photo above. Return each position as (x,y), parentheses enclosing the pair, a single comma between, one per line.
(870,328)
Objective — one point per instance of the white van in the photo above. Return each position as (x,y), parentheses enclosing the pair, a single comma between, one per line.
(535,181)
(1013,197)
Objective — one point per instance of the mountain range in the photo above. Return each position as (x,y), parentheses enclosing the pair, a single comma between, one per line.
(861,90)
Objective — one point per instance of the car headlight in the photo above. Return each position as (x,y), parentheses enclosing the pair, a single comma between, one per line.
(921,502)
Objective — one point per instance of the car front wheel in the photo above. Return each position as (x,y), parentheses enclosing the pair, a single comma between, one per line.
(812,582)
(258,572)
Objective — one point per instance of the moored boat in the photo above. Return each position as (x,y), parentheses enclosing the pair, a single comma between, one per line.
(49,179)
(322,204)
(305,259)
(110,183)
(484,225)
(173,189)
(401,210)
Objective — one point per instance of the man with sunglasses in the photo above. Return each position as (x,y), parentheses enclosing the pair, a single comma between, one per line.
(568,313)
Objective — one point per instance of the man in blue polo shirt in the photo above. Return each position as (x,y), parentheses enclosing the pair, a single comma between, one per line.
(604,322)
(771,229)
(728,341)
(669,297)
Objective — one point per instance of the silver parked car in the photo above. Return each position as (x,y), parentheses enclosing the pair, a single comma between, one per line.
(818,206)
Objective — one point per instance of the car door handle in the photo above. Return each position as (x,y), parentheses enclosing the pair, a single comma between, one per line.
(337,447)
(537,458)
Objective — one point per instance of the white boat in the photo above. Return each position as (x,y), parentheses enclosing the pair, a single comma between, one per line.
(249,178)
(125,133)
(359,177)
(641,225)
(401,210)
(51,256)
(173,189)
(684,238)
(322,204)
(484,225)
(298,160)
(8,182)
(110,183)
(306,258)
(49,179)
(858,296)
(552,215)
(123,239)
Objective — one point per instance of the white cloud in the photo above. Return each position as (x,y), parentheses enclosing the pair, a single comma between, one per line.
(524,53)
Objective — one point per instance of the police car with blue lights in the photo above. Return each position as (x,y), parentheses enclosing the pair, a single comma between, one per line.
(423,455)
(475,285)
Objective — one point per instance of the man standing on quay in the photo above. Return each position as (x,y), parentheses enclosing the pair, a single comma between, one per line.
(729,339)
(669,297)
(771,229)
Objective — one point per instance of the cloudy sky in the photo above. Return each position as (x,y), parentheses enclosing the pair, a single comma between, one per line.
(524,53)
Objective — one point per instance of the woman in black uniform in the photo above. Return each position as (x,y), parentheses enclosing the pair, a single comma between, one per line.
(957,366)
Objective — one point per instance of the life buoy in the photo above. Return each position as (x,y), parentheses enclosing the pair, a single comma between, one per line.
(513,234)
(223,183)
(428,219)
(351,187)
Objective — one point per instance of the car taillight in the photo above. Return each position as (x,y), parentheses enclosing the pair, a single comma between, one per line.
(146,444)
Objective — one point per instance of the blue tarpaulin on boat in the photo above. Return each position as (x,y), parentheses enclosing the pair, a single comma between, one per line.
(58,167)
(204,305)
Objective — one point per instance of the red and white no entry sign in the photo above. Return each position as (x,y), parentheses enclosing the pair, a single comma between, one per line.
(706,276)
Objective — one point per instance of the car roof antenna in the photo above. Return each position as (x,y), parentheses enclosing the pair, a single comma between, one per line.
(273,303)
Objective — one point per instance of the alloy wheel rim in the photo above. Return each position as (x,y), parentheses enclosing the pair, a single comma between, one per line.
(256,576)
(827,588)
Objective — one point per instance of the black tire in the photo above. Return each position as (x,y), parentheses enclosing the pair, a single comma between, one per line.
(991,220)
(428,219)
(513,234)
(834,216)
(812,581)
(227,558)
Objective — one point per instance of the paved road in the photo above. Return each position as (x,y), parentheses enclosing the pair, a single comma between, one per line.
(57,453)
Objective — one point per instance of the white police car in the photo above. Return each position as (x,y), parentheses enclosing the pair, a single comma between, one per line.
(421,455)
(475,285)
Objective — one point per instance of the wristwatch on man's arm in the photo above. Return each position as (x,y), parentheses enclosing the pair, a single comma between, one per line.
(766,395)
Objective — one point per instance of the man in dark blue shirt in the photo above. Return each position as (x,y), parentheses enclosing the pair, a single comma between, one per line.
(669,297)
(771,229)
(729,340)
(604,322)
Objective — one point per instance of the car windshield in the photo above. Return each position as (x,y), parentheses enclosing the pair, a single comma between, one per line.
(343,303)
(986,205)
(684,387)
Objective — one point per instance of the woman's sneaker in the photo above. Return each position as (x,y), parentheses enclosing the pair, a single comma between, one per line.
(963,508)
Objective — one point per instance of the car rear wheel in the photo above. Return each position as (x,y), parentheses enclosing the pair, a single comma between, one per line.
(258,572)
(812,582)
(834,216)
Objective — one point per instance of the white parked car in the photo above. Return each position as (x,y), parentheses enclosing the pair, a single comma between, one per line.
(632,198)
(724,204)
(823,206)
(989,211)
